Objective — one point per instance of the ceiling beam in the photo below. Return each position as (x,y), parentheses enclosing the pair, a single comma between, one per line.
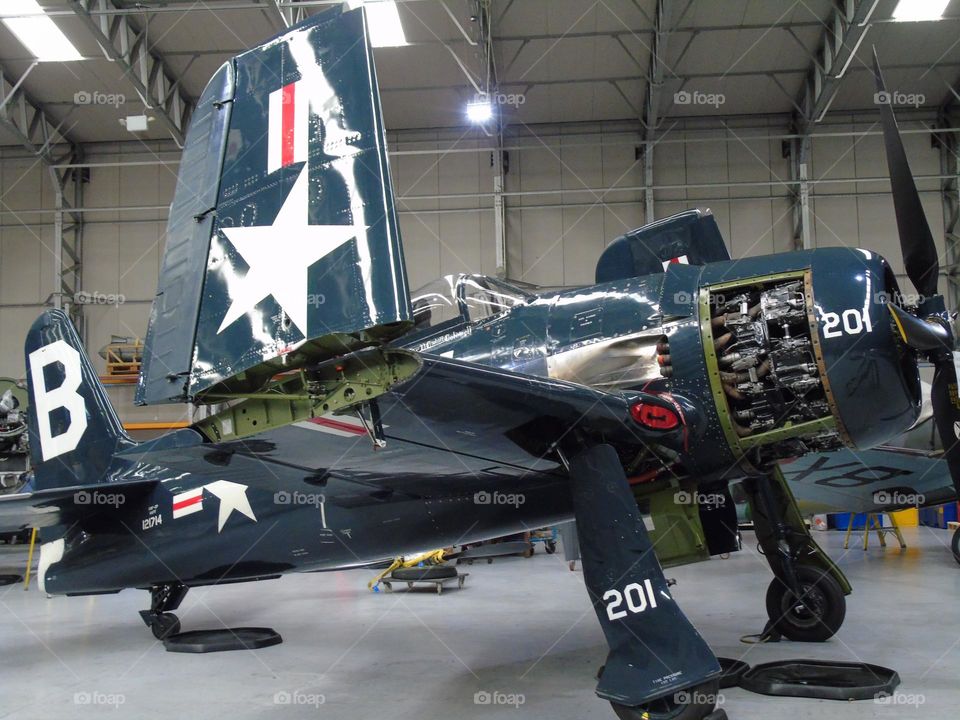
(28,121)
(951,100)
(656,68)
(650,117)
(504,83)
(843,33)
(144,68)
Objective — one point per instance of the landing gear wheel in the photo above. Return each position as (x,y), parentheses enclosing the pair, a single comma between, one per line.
(164,598)
(550,546)
(955,545)
(693,703)
(818,613)
(164,625)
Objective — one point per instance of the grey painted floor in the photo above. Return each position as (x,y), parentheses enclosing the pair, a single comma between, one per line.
(520,626)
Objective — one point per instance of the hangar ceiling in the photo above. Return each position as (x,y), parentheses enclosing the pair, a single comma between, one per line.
(569,60)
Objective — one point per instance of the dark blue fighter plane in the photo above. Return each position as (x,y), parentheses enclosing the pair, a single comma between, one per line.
(351,423)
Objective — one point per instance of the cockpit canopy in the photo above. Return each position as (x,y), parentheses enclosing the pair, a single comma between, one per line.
(467,298)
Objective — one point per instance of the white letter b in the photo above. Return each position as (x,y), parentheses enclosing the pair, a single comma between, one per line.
(65,396)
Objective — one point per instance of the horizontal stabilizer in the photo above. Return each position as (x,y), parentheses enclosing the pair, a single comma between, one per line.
(68,505)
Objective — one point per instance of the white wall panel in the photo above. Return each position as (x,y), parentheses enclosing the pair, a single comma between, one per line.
(835,221)
(706,163)
(583,241)
(833,157)
(751,227)
(541,245)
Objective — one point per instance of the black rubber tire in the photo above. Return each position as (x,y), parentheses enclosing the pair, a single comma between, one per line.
(824,606)
(955,545)
(550,546)
(165,625)
(702,701)
(431,572)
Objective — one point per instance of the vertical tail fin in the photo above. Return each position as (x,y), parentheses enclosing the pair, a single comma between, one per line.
(74,431)
(283,244)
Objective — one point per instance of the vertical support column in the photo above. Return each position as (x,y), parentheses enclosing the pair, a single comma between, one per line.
(68,237)
(648,210)
(950,200)
(799,174)
(499,208)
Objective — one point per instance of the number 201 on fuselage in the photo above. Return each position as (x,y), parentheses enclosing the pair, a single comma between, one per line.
(850,322)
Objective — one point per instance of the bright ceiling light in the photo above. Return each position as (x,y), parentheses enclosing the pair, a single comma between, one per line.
(479,111)
(917,10)
(383,19)
(38,33)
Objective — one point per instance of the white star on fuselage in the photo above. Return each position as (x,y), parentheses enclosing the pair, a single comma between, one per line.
(233,496)
(279,256)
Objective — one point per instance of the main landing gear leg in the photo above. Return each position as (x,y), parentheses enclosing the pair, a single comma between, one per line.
(658,666)
(163,600)
(806,599)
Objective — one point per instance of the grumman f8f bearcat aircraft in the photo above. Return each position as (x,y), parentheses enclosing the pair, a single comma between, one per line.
(283,297)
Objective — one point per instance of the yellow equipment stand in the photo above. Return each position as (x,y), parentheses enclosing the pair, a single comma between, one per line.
(875,522)
(26,575)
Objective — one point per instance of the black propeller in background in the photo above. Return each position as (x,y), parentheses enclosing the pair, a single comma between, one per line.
(930,332)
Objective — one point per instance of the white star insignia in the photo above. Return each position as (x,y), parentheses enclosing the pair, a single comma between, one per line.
(233,496)
(279,256)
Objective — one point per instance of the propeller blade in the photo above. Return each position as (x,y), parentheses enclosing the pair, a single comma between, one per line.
(924,335)
(946,413)
(916,240)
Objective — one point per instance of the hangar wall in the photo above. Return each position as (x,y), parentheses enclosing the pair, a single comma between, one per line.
(570,190)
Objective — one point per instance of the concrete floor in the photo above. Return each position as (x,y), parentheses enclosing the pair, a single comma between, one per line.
(520,626)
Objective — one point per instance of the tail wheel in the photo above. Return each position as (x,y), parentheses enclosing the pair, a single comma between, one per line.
(813,617)
(164,625)
(955,545)
(693,703)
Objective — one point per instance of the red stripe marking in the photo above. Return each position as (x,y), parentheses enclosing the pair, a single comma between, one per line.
(188,502)
(286,147)
(338,425)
